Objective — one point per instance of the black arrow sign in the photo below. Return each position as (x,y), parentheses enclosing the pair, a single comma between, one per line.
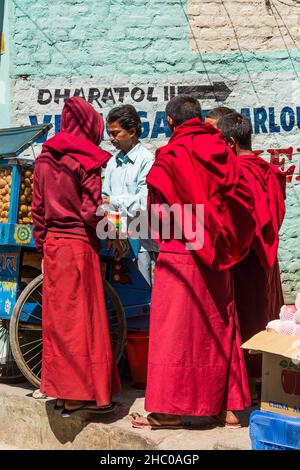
(218,91)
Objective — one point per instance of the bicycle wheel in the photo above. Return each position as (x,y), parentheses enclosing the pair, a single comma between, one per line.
(26,328)
(9,371)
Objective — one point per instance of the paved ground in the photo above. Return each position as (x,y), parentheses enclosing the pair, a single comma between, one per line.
(7,447)
(34,424)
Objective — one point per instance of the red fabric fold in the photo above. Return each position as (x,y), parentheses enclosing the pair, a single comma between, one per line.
(85,152)
(196,167)
(268,185)
(81,132)
(78,361)
(195,363)
(67,176)
(258,290)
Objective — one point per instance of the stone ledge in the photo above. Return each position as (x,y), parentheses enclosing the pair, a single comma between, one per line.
(34,424)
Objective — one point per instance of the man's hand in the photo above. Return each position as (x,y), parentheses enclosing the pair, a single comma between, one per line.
(105,200)
(117,248)
(42,266)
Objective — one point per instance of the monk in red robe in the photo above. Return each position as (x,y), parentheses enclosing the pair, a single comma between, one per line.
(78,366)
(258,290)
(196,365)
(214,115)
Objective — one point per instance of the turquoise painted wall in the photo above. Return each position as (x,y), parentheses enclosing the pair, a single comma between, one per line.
(4,69)
(105,37)
(72,44)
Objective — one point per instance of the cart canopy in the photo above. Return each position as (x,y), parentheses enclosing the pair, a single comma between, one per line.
(14,140)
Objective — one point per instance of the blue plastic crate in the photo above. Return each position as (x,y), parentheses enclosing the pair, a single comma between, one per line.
(271,431)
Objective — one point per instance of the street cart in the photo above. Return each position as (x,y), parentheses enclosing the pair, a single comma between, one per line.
(127,294)
(16,241)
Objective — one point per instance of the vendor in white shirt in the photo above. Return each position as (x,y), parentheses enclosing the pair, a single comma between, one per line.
(125,187)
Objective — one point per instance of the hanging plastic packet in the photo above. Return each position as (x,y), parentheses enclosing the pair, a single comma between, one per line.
(114,218)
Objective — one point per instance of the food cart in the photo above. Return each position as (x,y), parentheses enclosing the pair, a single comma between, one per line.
(16,241)
(127,293)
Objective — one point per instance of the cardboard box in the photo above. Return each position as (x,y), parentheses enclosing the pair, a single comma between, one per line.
(280,371)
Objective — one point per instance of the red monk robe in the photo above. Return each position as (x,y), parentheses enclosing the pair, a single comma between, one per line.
(258,290)
(196,366)
(78,361)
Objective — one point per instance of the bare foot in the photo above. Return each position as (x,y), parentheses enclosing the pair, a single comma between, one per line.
(229,419)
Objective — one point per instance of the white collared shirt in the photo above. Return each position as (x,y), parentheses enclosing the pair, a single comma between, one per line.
(125,180)
(125,184)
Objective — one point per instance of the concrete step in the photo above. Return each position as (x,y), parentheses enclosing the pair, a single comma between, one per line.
(27,423)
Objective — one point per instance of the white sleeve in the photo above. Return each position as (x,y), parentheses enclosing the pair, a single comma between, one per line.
(106,188)
(130,204)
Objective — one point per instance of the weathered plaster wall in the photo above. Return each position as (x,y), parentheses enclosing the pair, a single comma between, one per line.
(241,53)
(4,68)
(231,25)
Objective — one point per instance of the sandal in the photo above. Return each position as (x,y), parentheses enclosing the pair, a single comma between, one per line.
(153,422)
(221,418)
(38,395)
(85,408)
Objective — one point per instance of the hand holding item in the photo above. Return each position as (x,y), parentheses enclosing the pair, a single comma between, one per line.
(125,247)
(105,200)
(117,247)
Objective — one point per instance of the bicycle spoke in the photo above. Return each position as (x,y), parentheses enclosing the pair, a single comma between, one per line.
(30,327)
(37,297)
(34,316)
(33,357)
(3,334)
(32,349)
(31,342)
(36,365)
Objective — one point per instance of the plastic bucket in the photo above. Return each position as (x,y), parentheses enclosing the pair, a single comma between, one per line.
(137,351)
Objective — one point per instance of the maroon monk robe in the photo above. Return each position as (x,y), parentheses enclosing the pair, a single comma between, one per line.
(258,290)
(196,365)
(78,360)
